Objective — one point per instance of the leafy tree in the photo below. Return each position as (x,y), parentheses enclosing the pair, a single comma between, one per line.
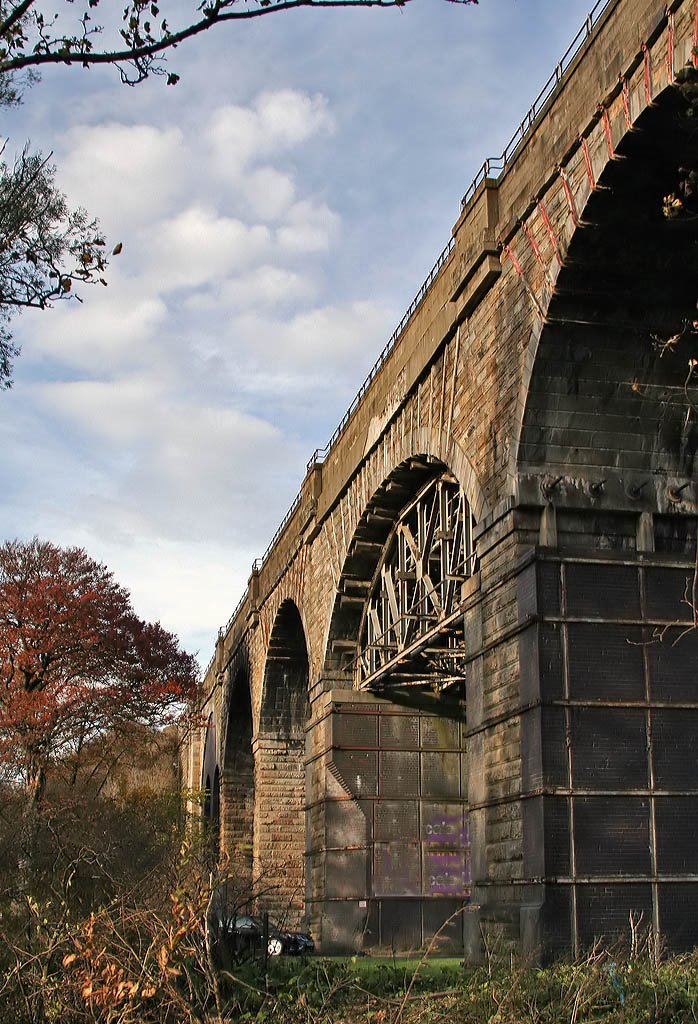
(44,246)
(76,665)
(29,38)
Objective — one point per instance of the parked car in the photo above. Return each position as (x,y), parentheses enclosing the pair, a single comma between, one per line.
(244,933)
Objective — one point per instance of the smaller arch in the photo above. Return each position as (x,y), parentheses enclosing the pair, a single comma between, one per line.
(421,518)
(285,694)
(210,808)
(237,784)
(280,829)
(207,798)
(215,817)
(209,765)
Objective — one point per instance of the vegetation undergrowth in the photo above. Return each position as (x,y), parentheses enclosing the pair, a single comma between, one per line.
(601,988)
(159,960)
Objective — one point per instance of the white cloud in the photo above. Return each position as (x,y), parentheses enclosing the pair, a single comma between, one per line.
(199,246)
(275,123)
(265,286)
(310,227)
(126,174)
(181,467)
(113,329)
(269,193)
(326,341)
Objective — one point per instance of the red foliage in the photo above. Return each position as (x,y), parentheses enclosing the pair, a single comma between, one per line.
(75,659)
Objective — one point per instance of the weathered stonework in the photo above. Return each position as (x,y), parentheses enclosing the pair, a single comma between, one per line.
(530,371)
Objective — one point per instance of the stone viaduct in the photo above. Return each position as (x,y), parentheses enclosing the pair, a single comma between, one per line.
(463,676)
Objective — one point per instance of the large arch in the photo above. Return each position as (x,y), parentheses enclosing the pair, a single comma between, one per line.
(280,831)
(608,399)
(389,847)
(607,451)
(368,543)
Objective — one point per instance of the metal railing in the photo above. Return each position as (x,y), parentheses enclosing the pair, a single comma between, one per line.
(320,454)
(493,166)
(259,562)
(223,631)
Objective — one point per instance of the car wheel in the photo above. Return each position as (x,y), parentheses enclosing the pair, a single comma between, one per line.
(275,947)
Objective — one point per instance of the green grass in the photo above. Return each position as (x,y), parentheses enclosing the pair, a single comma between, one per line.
(601,989)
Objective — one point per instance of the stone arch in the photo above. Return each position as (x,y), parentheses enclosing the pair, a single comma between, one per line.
(604,413)
(279,844)
(367,543)
(237,789)
(608,448)
(210,785)
(389,855)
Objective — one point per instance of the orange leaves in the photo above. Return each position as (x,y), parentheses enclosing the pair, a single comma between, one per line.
(132,956)
(101,980)
(72,650)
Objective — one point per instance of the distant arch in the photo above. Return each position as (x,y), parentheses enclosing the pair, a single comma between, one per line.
(280,826)
(238,789)
(211,791)
(285,690)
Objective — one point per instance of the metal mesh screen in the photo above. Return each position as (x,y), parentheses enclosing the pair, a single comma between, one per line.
(399,731)
(397,870)
(440,774)
(396,820)
(355,730)
(399,773)
(440,733)
(346,873)
(357,771)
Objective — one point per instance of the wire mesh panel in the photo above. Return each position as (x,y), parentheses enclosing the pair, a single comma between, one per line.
(611,754)
(357,771)
(396,869)
(441,773)
(406,827)
(396,819)
(399,731)
(399,773)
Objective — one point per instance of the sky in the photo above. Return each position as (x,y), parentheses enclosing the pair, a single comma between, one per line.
(278,208)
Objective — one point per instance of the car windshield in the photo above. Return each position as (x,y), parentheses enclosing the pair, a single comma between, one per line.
(245,921)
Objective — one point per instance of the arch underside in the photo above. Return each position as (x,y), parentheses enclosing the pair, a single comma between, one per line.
(280,827)
(612,406)
(411,632)
(396,620)
(607,465)
(211,788)
(238,786)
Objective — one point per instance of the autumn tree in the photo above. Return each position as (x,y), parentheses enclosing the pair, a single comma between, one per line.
(76,665)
